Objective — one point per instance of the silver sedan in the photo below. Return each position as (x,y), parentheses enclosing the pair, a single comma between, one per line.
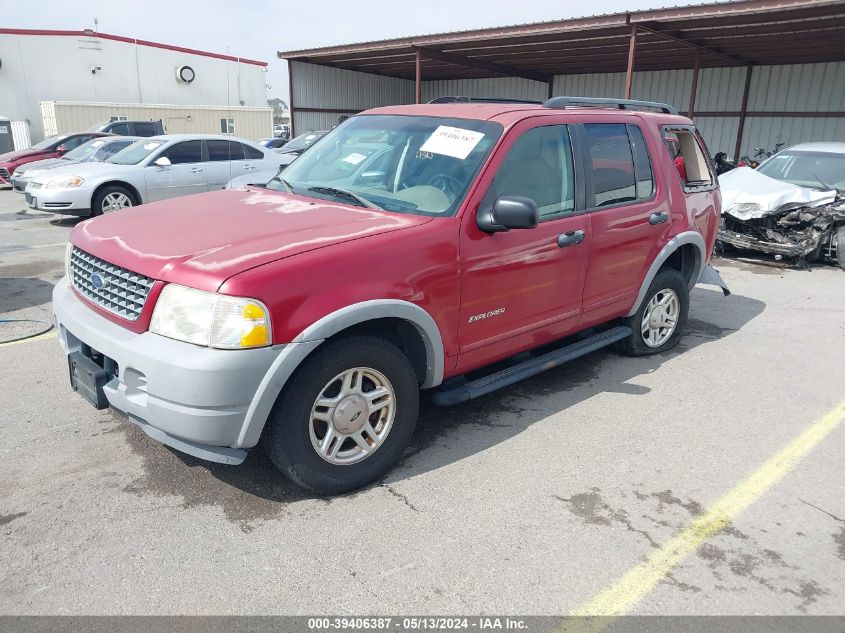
(151,169)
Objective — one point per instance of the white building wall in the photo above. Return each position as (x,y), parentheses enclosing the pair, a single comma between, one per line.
(40,68)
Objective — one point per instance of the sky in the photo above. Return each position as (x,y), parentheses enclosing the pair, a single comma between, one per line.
(257,29)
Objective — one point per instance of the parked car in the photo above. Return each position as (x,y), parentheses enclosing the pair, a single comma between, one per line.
(311,313)
(792,205)
(50,147)
(294,148)
(273,143)
(131,128)
(356,163)
(152,169)
(94,151)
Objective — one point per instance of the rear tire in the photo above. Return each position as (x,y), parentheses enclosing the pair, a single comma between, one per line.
(840,246)
(325,434)
(112,198)
(659,322)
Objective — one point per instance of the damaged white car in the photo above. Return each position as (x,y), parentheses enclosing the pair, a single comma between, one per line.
(792,206)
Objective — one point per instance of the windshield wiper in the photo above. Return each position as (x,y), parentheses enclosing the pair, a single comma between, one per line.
(826,186)
(349,195)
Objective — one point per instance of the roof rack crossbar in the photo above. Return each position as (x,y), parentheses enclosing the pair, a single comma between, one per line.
(599,102)
(462,99)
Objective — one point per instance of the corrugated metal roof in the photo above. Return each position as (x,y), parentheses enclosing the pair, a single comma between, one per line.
(739,33)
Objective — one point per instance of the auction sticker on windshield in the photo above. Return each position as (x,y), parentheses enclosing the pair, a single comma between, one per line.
(452,141)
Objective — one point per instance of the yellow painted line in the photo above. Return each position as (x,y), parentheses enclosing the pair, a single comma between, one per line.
(636,583)
(51,334)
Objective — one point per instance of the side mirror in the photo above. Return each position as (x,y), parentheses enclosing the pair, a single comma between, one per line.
(162,161)
(508,212)
(61,149)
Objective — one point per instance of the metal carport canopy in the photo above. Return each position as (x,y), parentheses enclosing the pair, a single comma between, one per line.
(744,33)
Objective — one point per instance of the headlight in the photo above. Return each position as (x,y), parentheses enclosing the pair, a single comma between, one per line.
(210,319)
(68,251)
(67,181)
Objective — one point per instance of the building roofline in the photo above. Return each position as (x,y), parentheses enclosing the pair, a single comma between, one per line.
(132,40)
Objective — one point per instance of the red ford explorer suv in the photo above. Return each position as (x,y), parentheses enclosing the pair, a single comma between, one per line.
(410,248)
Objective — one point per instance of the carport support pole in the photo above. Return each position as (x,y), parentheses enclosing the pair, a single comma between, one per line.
(629,76)
(694,87)
(418,82)
(743,111)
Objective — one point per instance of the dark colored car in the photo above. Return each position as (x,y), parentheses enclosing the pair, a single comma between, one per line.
(130,128)
(274,143)
(50,147)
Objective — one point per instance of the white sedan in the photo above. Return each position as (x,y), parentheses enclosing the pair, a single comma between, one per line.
(154,168)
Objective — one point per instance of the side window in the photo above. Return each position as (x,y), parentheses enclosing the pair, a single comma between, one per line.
(184,152)
(74,142)
(685,151)
(227,125)
(539,166)
(219,150)
(612,164)
(120,128)
(642,163)
(252,153)
(145,129)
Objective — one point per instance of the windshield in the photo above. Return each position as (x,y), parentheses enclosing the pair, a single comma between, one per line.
(85,151)
(410,164)
(135,153)
(304,141)
(50,142)
(816,170)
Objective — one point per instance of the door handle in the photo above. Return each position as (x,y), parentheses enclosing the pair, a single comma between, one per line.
(658,218)
(570,238)
(195,170)
(248,167)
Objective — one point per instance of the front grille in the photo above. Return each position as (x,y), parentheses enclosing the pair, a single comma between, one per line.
(4,173)
(123,292)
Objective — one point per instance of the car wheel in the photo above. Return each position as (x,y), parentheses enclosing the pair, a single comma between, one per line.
(112,198)
(840,246)
(346,416)
(661,319)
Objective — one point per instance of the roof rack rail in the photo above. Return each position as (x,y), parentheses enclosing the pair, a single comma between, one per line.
(456,99)
(599,102)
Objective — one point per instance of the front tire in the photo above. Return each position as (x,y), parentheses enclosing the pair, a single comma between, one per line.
(112,198)
(660,321)
(346,416)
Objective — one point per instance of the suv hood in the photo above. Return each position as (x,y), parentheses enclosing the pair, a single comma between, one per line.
(202,240)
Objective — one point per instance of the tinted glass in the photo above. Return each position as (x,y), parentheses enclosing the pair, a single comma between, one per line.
(120,128)
(539,166)
(251,152)
(612,163)
(642,163)
(74,141)
(145,129)
(219,150)
(184,152)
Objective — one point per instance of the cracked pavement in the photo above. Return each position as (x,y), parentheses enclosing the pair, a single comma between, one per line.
(528,501)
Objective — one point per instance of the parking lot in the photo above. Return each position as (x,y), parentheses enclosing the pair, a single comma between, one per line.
(538,499)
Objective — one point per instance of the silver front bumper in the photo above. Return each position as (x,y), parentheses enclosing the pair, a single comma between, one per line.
(70,201)
(192,398)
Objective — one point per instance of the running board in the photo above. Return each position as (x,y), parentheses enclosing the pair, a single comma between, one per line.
(528,368)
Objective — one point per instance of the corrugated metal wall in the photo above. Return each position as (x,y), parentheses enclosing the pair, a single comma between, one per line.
(501,87)
(72,116)
(337,89)
(794,88)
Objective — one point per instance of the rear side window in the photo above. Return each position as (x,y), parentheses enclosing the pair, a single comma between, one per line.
(612,163)
(120,128)
(219,150)
(252,153)
(145,129)
(539,166)
(642,163)
(685,151)
(184,152)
